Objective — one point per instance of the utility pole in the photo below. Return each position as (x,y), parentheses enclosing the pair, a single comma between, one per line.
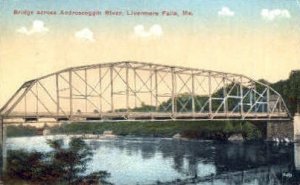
(2,143)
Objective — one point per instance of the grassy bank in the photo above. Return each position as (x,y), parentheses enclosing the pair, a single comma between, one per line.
(20,130)
(199,130)
(217,130)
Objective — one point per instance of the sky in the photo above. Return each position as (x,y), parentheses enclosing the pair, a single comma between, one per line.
(257,38)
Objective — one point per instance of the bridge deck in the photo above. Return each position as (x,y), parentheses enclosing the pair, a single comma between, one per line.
(150,116)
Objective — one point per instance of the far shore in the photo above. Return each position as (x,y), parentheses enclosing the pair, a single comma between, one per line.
(210,130)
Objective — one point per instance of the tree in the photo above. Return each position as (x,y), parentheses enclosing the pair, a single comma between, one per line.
(290,90)
(70,161)
(63,165)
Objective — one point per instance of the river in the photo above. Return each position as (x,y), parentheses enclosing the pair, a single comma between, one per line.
(133,160)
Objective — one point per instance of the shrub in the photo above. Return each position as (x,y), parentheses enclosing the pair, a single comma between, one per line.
(251,132)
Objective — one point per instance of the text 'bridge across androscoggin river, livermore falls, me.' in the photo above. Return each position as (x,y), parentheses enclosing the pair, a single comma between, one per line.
(144,91)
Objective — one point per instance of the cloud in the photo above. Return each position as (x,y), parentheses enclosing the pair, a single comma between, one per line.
(154,31)
(85,34)
(271,15)
(225,12)
(37,27)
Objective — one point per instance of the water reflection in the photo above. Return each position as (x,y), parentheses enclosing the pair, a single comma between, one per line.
(168,161)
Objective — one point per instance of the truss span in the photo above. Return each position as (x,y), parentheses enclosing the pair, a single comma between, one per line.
(144,91)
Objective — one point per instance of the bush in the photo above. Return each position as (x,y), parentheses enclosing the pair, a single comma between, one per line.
(228,128)
(251,132)
(24,165)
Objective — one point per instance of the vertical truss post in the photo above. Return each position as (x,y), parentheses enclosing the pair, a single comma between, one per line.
(85,90)
(151,90)
(127,88)
(134,79)
(268,101)
(251,97)
(173,90)
(225,96)
(71,94)
(156,90)
(209,94)
(254,98)
(241,96)
(193,94)
(25,105)
(100,91)
(57,94)
(37,100)
(112,89)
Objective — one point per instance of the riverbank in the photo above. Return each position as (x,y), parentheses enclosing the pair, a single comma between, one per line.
(211,130)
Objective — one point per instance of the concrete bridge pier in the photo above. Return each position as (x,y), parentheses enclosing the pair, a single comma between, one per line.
(297,127)
(284,130)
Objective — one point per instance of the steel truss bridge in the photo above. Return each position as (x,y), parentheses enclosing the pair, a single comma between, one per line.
(144,91)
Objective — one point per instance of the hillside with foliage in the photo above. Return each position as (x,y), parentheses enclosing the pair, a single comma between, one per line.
(290,90)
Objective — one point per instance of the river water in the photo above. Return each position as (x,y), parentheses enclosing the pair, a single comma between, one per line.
(133,160)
